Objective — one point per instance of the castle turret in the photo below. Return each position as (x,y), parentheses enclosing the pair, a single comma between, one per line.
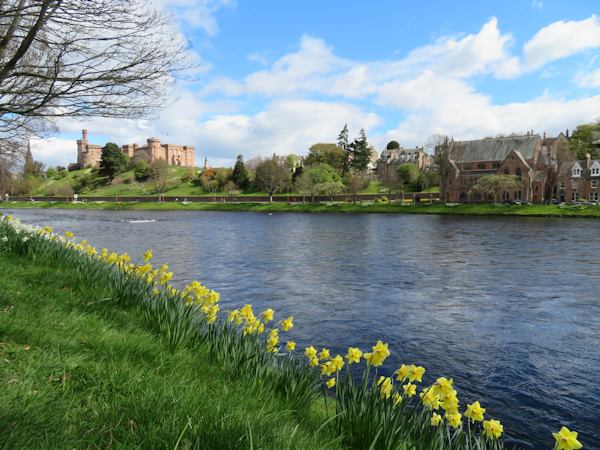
(84,134)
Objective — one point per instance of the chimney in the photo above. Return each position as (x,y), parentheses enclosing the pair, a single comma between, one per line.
(84,134)
(588,160)
(544,135)
(567,133)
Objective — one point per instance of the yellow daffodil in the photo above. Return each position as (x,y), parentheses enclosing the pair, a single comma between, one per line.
(454,419)
(436,419)
(330,383)
(430,400)
(566,440)
(148,255)
(327,369)
(442,386)
(402,372)
(324,354)
(492,428)
(69,234)
(415,373)
(385,386)
(310,352)
(353,356)
(397,398)
(475,412)
(268,315)
(410,389)
(380,353)
(337,363)
(313,362)
(287,324)
(290,346)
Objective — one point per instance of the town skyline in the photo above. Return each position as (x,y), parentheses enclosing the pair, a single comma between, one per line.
(497,70)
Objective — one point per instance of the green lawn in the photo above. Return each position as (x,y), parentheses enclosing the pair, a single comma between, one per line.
(77,371)
(367,207)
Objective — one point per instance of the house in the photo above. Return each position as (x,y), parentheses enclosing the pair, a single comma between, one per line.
(579,180)
(394,155)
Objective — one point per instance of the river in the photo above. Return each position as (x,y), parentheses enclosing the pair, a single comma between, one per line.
(509,307)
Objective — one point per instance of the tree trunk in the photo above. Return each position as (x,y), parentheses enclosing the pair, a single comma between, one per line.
(270,197)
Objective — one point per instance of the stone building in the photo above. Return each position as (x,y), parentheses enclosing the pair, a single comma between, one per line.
(89,155)
(579,180)
(522,156)
(394,155)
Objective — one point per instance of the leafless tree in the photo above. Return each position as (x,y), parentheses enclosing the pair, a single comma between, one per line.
(443,160)
(81,58)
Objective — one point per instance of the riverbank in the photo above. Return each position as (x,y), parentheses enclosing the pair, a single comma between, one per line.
(79,372)
(379,208)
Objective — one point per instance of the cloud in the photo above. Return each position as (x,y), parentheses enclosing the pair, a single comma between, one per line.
(588,79)
(559,40)
(196,13)
(54,151)
(537,4)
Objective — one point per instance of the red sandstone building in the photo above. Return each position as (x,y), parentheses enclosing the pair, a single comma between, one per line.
(530,158)
(89,155)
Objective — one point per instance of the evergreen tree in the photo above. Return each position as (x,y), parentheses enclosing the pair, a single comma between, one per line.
(113,161)
(361,153)
(343,138)
(240,174)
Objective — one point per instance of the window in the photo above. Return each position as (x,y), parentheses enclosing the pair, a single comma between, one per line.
(467,167)
(478,196)
(594,184)
(505,195)
(562,184)
(574,196)
(481,166)
(519,195)
(574,184)
(506,171)
(495,165)
(518,172)
(594,196)
(576,172)
(463,196)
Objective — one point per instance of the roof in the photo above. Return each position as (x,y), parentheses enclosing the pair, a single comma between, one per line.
(494,149)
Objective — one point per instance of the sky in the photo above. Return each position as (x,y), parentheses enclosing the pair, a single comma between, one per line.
(278,76)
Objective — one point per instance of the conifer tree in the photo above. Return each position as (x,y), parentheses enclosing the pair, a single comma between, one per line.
(361,153)
(113,161)
(240,174)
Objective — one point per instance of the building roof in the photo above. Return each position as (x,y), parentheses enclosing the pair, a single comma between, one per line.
(494,149)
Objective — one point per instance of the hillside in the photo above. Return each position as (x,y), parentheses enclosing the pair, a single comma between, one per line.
(88,182)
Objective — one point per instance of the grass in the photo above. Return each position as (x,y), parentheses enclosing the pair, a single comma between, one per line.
(78,372)
(382,208)
(97,186)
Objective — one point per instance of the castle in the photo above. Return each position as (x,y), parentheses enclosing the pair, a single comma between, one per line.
(89,155)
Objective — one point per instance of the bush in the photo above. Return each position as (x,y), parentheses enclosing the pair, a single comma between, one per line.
(141,170)
(188,176)
(64,190)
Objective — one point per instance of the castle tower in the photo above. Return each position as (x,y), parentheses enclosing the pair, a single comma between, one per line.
(154,149)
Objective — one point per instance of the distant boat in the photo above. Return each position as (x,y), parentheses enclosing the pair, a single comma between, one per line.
(139,221)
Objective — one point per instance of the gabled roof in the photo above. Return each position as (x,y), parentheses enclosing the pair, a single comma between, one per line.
(494,149)
(520,156)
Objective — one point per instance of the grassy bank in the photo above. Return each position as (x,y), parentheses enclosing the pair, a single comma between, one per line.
(382,208)
(99,352)
(79,372)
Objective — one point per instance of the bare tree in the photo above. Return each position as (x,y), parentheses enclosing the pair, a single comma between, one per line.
(443,161)
(75,58)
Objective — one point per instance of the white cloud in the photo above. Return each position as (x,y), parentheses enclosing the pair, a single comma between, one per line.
(54,151)
(196,13)
(588,79)
(561,39)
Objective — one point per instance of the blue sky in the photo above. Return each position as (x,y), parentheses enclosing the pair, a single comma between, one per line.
(277,76)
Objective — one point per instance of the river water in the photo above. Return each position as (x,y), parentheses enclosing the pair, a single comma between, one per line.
(509,307)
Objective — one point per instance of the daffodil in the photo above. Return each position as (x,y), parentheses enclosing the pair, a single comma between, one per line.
(353,355)
(337,363)
(385,386)
(69,234)
(330,383)
(268,315)
(397,398)
(410,389)
(310,352)
(430,399)
(475,412)
(415,373)
(287,324)
(453,419)
(290,346)
(148,255)
(492,428)
(402,372)
(436,419)
(380,353)
(566,440)
(313,362)
(324,354)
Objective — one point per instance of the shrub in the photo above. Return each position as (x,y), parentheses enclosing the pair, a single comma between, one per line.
(141,170)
